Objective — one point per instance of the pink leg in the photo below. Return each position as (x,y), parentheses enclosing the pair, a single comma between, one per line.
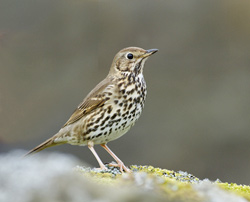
(119,164)
(91,147)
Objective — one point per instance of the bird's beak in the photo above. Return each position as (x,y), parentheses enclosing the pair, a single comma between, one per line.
(149,52)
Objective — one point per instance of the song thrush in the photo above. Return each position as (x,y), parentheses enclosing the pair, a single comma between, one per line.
(110,109)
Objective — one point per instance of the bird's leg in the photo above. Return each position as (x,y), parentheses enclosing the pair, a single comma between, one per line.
(119,164)
(91,147)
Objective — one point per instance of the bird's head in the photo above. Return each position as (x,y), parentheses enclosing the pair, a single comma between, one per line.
(130,60)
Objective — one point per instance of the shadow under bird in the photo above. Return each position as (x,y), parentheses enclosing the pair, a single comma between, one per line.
(110,109)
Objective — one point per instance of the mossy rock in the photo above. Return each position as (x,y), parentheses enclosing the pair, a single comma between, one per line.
(49,177)
(170,185)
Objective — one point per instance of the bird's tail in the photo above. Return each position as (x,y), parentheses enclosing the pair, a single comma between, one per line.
(48,143)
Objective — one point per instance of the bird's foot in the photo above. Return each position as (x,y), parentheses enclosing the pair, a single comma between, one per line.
(121,166)
(103,167)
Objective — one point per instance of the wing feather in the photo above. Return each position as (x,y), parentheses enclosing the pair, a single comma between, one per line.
(92,101)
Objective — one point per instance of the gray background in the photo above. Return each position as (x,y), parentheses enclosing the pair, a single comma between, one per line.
(197,114)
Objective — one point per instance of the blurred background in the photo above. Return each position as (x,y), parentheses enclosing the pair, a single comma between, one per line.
(197,114)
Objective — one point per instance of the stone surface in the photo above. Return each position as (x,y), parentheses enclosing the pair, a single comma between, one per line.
(56,177)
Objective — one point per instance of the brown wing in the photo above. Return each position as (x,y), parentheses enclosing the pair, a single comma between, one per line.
(92,101)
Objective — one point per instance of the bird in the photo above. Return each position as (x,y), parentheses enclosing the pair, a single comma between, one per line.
(110,109)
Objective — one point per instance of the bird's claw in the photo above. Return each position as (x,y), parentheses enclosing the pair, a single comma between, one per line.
(121,166)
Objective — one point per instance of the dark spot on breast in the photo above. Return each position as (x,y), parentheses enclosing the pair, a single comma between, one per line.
(130,106)
(97,120)
(125,107)
(133,111)
(131,92)
(99,135)
(115,101)
(136,100)
(126,113)
(103,122)
(129,77)
(87,132)
(110,108)
(117,120)
(113,117)
(118,111)
(90,124)
(122,91)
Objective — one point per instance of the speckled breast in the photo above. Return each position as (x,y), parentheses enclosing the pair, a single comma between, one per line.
(120,113)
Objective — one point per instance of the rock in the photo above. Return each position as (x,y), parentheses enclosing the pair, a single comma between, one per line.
(56,177)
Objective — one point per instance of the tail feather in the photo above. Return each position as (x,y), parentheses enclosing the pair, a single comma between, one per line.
(48,143)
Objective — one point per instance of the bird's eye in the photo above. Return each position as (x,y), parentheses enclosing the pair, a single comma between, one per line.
(130,56)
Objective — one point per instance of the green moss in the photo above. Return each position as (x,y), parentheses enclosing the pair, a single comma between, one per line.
(162,181)
(241,190)
(174,186)
(100,177)
(179,176)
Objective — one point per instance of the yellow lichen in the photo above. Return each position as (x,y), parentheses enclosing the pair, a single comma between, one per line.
(175,186)
(175,190)
(241,190)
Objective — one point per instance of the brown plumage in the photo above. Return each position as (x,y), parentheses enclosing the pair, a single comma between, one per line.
(110,109)
(40,147)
